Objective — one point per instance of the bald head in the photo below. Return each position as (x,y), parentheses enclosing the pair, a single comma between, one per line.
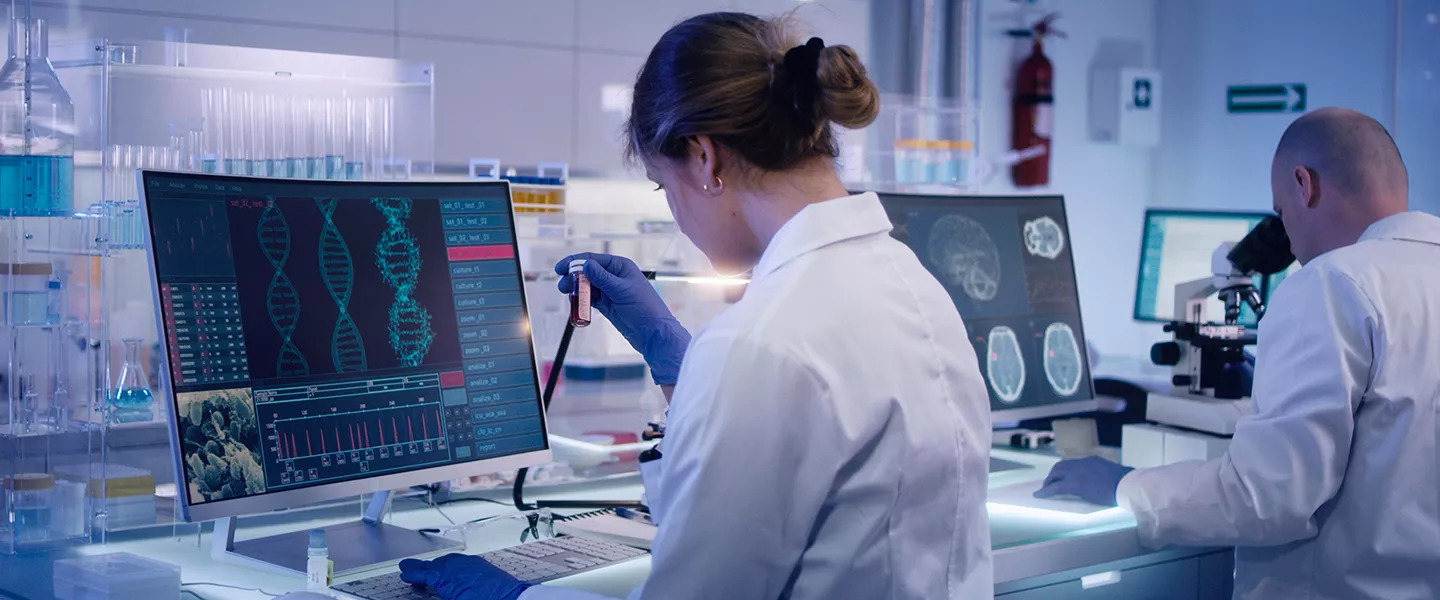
(1336,172)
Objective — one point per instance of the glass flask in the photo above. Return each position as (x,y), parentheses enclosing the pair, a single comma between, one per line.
(37,138)
(130,398)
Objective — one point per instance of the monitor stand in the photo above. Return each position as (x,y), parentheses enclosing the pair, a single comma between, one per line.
(355,546)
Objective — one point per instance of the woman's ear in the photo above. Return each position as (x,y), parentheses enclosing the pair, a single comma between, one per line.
(704,164)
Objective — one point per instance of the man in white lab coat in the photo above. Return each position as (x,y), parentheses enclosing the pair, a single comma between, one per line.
(1330,490)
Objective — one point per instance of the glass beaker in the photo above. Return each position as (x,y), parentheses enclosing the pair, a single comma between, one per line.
(29,497)
(130,399)
(37,128)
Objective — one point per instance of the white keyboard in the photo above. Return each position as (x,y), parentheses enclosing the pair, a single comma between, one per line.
(534,562)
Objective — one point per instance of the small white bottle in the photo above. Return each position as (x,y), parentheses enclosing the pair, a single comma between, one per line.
(318,568)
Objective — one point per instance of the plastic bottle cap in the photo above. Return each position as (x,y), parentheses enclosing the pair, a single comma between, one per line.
(28,482)
(577,265)
(317,538)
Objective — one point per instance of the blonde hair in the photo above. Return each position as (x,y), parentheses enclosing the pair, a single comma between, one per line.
(725,75)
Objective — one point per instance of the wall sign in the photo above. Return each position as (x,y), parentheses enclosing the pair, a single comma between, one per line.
(1278,98)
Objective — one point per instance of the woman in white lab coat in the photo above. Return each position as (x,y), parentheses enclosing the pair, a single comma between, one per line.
(828,435)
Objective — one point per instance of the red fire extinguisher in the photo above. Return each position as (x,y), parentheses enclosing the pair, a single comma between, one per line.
(1033,106)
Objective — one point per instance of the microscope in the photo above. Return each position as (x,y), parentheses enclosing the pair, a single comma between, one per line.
(1209,395)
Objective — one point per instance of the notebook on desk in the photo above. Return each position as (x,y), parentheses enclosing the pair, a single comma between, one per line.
(607,526)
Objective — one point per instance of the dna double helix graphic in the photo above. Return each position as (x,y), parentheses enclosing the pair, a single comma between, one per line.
(281,301)
(397,255)
(347,350)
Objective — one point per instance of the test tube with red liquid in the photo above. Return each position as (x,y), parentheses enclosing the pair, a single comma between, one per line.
(579,294)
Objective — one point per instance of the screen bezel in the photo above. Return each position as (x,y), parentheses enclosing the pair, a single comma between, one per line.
(1027,412)
(271,501)
(1145,239)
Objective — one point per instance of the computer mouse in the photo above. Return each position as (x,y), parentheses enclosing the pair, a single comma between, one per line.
(305,596)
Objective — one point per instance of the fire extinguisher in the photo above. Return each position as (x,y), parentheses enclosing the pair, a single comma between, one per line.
(1033,107)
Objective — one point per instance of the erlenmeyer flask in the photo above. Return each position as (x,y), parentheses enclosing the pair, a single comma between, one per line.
(37,128)
(130,398)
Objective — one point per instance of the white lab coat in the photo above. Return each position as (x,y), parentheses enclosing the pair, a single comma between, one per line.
(1332,490)
(830,433)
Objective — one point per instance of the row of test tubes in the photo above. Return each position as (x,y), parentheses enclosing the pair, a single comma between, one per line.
(121,211)
(268,135)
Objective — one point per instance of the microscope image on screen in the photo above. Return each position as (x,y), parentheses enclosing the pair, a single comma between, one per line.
(221,439)
(309,259)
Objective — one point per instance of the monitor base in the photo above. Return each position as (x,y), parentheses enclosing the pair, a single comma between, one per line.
(354,547)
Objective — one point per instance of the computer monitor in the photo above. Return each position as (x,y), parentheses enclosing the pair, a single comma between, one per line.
(1006,263)
(1177,246)
(327,339)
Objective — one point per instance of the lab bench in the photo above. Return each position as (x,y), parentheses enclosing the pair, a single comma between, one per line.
(1038,554)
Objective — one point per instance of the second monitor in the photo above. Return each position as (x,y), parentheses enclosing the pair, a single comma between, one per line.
(1006,263)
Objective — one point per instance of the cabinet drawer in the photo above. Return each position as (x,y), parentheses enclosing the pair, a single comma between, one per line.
(1175,580)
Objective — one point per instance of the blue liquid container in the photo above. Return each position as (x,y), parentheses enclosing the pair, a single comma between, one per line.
(37,186)
(295,168)
(37,127)
(209,165)
(235,166)
(278,168)
(334,166)
(315,167)
(131,400)
(354,170)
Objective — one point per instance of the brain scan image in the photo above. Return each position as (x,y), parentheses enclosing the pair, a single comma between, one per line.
(965,256)
(1004,365)
(1044,238)
(1062,359)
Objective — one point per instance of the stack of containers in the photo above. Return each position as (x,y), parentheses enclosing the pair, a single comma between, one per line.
(126,494)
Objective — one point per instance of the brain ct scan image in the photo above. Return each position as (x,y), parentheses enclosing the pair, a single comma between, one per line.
(1044,238)
(964,255)
(1004,365)
(1062,359)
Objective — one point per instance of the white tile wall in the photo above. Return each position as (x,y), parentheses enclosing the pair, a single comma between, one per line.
(374,15)
(598,132)
(633,26)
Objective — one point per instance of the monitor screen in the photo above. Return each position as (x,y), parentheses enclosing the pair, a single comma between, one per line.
(1176,247)
(322,332)
(1007,264)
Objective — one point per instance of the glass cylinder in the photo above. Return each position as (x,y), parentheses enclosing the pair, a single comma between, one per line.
(29,497)
(130,397)
(355,138)
(37,128)
(315,158)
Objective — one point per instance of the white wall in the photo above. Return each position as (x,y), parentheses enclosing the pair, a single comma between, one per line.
(1342,50)
(1106,187)
(518,80)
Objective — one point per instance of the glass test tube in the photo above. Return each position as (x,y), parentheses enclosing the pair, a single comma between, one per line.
(208,161)
(334,138)
(279,116)
(381,144)
(315,159)
(354,138)
(259,136)
(299,135)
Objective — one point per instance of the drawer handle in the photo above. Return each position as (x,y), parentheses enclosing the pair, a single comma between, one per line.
(1100,579)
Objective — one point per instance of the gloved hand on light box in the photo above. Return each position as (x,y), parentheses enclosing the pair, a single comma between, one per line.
(623,294)
(1092,479)
(462,577)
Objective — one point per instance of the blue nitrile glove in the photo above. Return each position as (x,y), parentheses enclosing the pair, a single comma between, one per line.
(621,292)
(1092,479)
(462,577)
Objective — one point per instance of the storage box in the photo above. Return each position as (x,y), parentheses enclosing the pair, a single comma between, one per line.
(117,576)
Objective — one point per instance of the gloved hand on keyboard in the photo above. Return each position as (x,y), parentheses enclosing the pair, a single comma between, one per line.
(462,577)
(623,294)
(1092,479)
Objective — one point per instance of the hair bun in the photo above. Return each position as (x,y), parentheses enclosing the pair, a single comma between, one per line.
(847,96)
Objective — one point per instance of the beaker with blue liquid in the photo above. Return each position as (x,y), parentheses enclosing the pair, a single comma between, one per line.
(130,399)
(37,128)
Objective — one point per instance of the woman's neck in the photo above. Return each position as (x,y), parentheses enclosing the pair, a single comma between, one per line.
(781,196)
